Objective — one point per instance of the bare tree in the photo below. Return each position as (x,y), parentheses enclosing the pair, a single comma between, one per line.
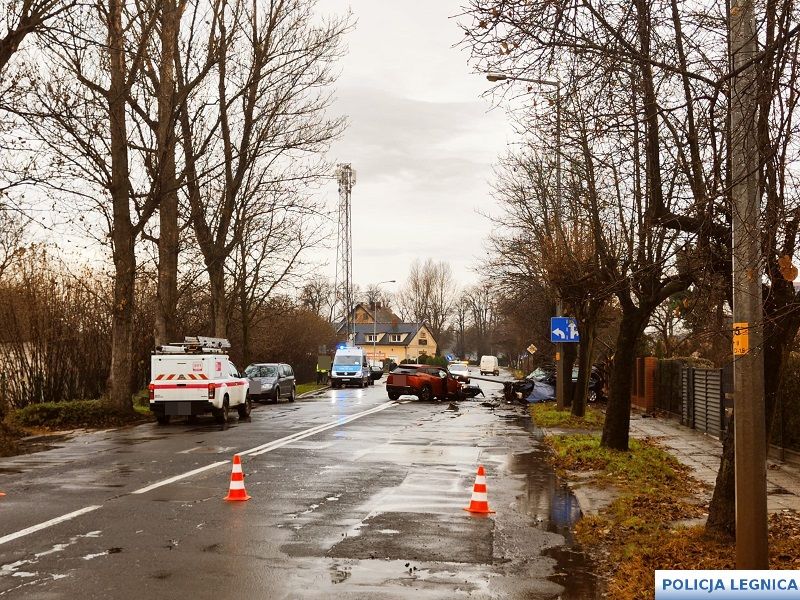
(317,295)
(428,296)
(267,124)
(483,315)
(269,256)
(669,62)
(26,17)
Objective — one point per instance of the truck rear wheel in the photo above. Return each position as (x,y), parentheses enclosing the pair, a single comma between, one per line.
(163,419)
(221,414)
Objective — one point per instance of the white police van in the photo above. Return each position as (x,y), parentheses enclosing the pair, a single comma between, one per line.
(350,367)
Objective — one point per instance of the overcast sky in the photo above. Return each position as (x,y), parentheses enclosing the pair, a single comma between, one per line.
(421,139)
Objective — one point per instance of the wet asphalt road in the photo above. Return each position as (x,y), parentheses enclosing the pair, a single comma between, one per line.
(352,497)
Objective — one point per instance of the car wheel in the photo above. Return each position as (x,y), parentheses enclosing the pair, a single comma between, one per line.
(394,396)
(496,373)
(221,414)
(426,393)
(592,396)
(334,385)
(293,394)
(276,395)
(163,419)
(244,409)
(361,383)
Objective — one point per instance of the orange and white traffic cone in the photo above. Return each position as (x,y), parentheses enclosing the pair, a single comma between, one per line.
(480,501)
(236,491)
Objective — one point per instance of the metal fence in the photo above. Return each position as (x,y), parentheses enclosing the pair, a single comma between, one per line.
(703,400)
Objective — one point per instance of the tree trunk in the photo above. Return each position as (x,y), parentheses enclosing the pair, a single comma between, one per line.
(722,509)
(244,305)
(123,235)
(616,429)
(219,307)
(166,185)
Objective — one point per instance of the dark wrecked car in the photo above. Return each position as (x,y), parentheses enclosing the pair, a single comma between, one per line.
(540,385)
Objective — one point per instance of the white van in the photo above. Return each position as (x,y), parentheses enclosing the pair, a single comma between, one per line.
(489,365)
(194,378)
(350,366)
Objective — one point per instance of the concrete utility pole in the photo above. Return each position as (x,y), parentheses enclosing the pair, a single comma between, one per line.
(748,372)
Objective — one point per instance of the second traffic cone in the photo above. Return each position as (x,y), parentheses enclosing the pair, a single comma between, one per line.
(480,501)
(236,491)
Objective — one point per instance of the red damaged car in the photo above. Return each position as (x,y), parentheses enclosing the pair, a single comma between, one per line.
(424,381)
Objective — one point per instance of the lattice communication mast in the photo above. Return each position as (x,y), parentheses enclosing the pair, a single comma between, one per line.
(346,176)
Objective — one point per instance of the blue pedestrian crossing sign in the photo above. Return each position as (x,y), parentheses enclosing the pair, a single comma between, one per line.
(564,329)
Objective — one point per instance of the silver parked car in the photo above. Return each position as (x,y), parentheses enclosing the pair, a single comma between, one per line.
(269,382)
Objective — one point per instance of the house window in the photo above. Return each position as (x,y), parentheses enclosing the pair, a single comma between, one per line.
(371,338)
(396,338)
(423,341)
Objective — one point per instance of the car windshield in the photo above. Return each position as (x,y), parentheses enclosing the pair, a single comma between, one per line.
(261,371)
(346,361)
(458,368)
(538,374)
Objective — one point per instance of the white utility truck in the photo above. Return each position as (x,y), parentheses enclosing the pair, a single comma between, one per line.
(196,377)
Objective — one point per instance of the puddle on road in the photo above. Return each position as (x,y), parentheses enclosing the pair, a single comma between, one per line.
(552,505)
(42,443)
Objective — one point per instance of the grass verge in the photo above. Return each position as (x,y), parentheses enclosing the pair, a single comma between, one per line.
(546,415)
(304,388)
(638,533)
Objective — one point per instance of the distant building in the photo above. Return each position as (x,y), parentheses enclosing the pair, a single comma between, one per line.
(366,313)
(388,338)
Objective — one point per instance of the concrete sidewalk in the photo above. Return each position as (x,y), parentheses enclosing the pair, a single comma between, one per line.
(701,453)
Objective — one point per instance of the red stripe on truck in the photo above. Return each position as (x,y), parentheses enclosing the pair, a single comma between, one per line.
(200,386)
(182,386)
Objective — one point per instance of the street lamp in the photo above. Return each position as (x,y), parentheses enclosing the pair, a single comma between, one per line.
(375,317)
(561,373)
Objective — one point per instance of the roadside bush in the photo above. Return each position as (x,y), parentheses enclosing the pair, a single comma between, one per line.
(437,361)
(70,415)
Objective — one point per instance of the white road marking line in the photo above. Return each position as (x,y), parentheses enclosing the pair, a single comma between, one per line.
(262,449)
(269,447)
(34,528)
(179,477)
